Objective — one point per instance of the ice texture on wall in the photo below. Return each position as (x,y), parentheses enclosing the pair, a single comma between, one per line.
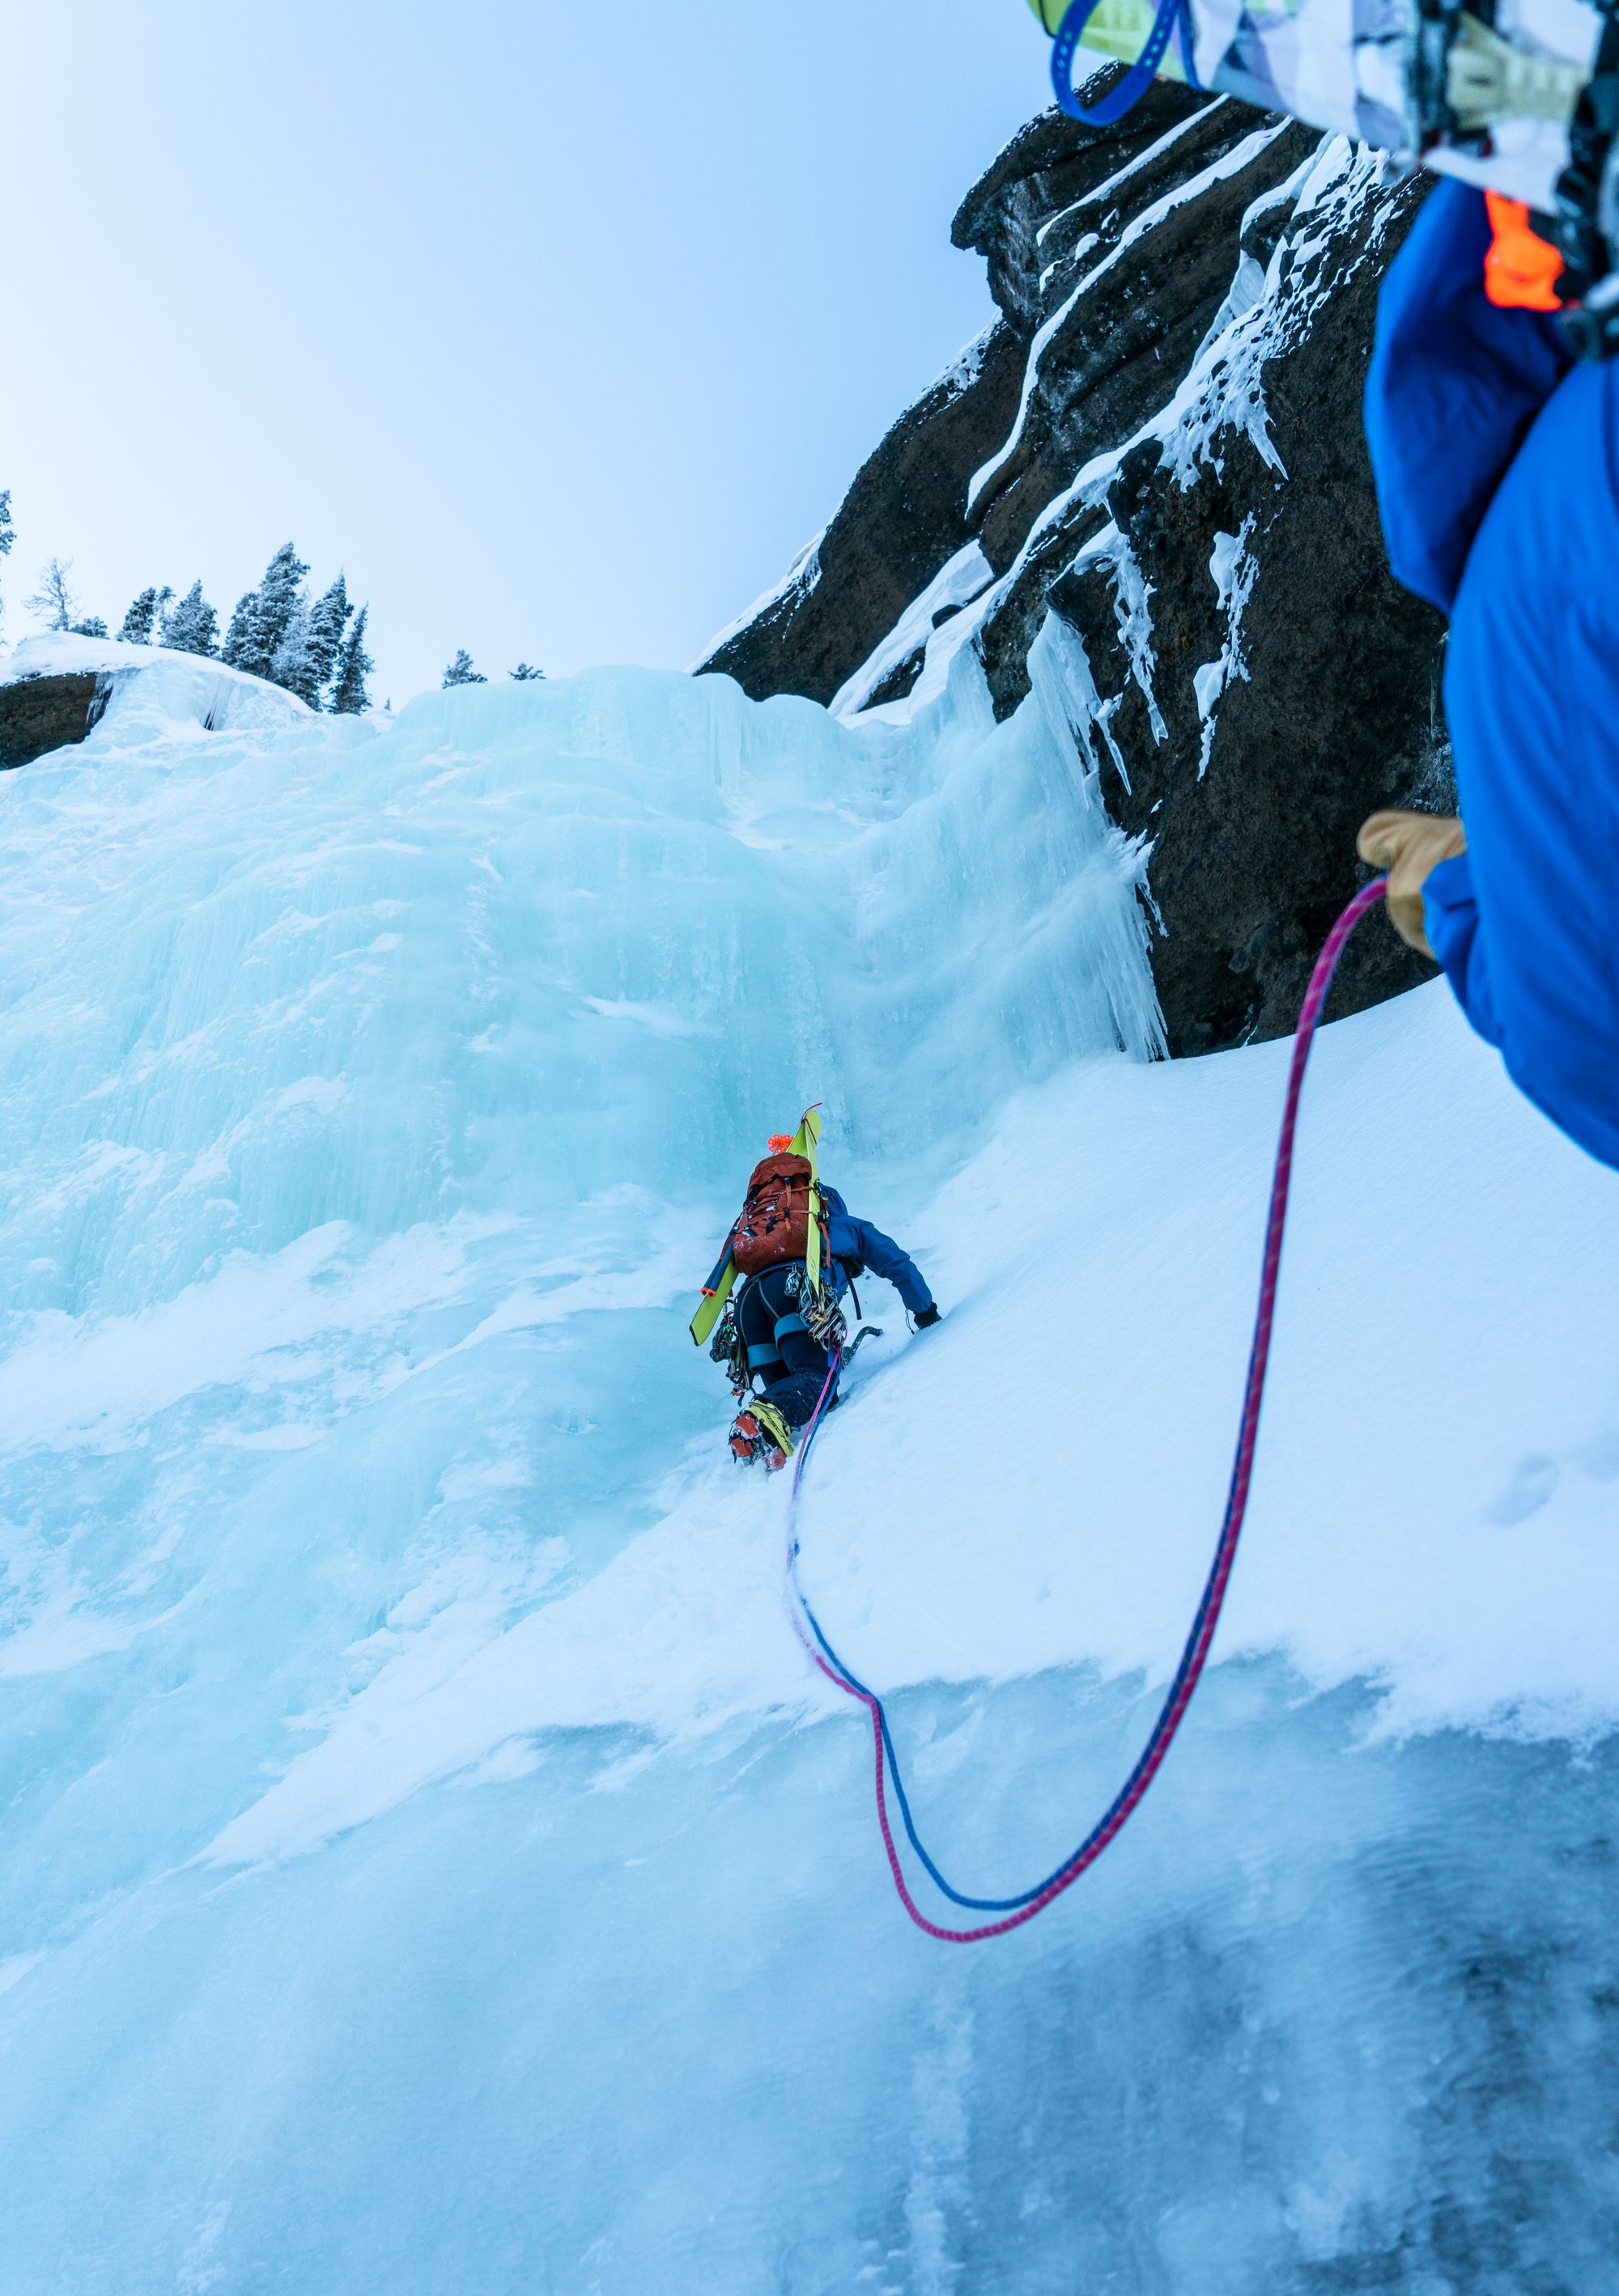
(429,1863)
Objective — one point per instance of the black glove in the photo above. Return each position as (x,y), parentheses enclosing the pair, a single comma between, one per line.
(928,1317)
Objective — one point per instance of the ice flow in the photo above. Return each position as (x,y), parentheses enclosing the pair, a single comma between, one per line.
(429,1864)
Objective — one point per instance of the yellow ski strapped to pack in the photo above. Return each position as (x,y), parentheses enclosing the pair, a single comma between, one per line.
(712,1305)
(804,1141)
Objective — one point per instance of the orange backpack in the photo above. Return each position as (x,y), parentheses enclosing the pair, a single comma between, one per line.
(776,1215)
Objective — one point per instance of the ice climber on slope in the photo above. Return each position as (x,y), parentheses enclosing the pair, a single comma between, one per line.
(1496,455)
(797,1249)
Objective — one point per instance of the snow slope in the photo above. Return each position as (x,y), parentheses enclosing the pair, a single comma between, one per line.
(430,1862)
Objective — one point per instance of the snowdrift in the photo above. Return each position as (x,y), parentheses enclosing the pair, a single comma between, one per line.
(430,1863)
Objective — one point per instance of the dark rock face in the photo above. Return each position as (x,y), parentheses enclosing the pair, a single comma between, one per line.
(902,518)
(1165,430)
(40,714)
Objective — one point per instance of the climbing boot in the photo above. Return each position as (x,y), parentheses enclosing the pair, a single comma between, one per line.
(1408,845)
(759,1431)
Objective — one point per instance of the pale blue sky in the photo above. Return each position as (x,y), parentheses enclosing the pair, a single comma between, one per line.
(560,329)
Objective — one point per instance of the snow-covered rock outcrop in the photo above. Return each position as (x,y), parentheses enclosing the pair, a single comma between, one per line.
(55,690)
(1160,442)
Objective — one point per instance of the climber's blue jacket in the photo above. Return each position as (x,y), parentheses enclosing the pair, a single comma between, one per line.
(1497,463)
(855,1244)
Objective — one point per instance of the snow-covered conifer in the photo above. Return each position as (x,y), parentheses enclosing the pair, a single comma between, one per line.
(328,619)
(193,626)
(92,626)
(239,636)
(349,694)
(524,671)
(136,628)
(461,671)
(266,617)
(293,663)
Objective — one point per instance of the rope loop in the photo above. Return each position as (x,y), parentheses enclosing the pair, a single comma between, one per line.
(1016,1911)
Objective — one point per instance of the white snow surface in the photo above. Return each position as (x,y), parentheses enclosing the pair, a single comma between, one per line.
(172,685)
(430,1860)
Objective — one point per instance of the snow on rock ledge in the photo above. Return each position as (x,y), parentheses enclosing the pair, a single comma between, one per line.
(54,690)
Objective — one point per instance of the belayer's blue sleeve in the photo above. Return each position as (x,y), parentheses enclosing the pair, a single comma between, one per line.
(1452,386)
(884,1257)
(1451,913)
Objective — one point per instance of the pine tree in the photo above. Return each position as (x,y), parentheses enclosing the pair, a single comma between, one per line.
(239,636)
(54,596)
(135,629)
(349,694)
(461,671)
(193,626)
(524,671)
(92,626)
(293,663)
(8,534)
(266,618)
(328,619)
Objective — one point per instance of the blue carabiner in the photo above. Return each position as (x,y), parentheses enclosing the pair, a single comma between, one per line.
(1173,15)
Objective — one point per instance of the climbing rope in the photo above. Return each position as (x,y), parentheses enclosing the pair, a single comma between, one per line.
(1017,1910)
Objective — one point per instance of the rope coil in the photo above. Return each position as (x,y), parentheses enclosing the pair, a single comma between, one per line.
(1016,1910)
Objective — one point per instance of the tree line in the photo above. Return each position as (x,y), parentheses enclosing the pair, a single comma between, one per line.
(314,648)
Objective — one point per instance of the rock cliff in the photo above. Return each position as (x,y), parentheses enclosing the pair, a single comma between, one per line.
(1160,441)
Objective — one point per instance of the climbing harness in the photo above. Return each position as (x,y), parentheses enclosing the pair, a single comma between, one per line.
(1173,17)
(1016,1911)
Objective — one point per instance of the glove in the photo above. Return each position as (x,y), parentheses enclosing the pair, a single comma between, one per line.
(928,1317)
(1408,845)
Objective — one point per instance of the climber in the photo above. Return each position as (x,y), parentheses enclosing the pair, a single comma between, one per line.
(1495,455)
(797,1250)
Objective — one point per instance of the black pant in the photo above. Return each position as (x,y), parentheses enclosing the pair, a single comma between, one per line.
(781,1353)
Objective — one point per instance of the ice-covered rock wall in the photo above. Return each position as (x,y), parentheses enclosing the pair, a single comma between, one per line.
(1160,442)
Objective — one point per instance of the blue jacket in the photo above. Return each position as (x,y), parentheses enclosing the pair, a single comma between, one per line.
(1496,456)
(856,1245)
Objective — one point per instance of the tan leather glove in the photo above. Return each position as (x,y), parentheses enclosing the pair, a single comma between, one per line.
(1408,845)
